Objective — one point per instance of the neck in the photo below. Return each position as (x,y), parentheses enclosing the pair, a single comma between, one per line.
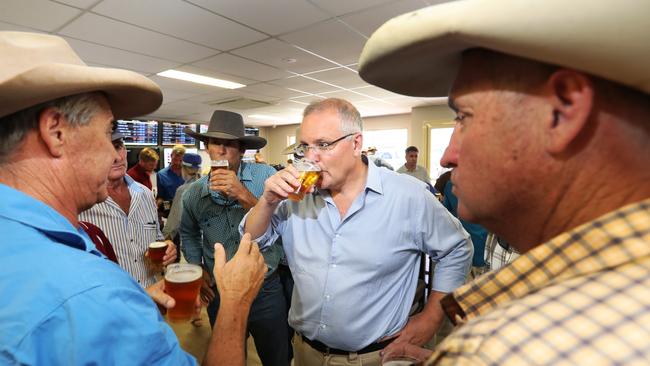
(410,166)
(42,181)
(116,184)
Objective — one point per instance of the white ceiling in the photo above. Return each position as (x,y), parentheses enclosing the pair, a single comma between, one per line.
(287,52)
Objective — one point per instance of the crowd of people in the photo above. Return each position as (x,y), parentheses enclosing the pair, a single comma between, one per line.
(540,231)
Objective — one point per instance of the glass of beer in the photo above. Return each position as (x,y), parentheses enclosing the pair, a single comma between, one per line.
(182,282)
(309,174)
(157,251)
(402,361)
(218,164)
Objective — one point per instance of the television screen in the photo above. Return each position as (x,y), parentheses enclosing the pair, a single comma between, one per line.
(167,154)
(172,134)
(138,132)
(202,129)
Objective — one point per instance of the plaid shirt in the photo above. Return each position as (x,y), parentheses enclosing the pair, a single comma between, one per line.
(583,298)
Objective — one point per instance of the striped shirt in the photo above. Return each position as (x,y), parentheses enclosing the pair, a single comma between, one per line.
(582,298)
(130,235)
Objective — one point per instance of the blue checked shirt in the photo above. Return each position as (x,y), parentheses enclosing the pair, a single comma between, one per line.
(208,218)
(356,276)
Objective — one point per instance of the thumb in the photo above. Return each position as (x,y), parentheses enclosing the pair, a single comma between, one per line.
(219,257)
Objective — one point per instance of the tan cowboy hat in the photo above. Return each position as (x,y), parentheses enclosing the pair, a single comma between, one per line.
(227,125)
(291,148)
(418,53)
(36,68)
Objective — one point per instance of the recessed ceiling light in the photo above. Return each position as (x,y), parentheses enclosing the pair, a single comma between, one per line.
(200,79)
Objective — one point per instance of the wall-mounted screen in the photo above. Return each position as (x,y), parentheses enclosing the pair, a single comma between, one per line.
(172,134)
(138,132)
(202,129)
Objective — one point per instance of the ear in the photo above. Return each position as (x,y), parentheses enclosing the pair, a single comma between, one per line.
(358,144)
(571,95)
(53,129)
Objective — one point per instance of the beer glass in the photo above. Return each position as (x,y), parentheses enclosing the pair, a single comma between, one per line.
(402,361)
(309,174)
(218,164)
(182,282)
(157,251)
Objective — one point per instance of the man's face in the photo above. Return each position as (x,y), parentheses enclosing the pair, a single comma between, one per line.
(92,165)
(336,163)
(412,159)
(149,165)
(494,149)
(177,160)
(118,169)
(220,149)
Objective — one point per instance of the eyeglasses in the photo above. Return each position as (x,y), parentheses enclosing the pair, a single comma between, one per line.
(321,147)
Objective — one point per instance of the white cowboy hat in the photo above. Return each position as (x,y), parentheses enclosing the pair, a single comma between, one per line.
(418,53)
(36,68)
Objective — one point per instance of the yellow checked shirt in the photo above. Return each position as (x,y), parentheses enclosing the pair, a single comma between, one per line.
(583,298)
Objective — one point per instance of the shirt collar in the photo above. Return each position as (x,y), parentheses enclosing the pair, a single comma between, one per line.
(608,242)
(20,207)
(373,182)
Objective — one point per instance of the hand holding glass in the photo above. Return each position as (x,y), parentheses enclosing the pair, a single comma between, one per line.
(309,175)
(182,282)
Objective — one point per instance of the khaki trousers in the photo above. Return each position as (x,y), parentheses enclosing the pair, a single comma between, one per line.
(304,355)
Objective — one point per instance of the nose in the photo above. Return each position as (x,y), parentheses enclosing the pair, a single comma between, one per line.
(450,156)
(312,154)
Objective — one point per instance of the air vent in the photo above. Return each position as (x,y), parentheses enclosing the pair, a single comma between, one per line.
(239,103)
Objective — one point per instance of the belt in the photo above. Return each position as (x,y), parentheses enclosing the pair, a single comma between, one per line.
(323,348)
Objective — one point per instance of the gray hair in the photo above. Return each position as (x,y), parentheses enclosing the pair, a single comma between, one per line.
(77,109)
(351,121)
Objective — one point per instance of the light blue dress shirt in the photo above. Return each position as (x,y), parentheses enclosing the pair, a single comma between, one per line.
(355,277)
(63,303)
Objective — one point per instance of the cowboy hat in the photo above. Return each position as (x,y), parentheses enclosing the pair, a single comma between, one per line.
(36,68)
(418,53)
(227,125)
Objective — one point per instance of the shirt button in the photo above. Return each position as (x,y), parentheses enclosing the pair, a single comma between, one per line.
(323,326)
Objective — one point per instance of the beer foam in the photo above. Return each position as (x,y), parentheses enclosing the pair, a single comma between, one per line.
(182,276)
(158,244)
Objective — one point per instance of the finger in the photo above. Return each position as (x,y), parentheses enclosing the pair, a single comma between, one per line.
(219,259)
(245,244)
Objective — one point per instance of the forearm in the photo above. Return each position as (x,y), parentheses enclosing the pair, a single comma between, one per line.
(227,342)
(433,310)
(247,200)
(259,218)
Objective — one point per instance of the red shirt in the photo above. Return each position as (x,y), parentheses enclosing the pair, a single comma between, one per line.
(139,175)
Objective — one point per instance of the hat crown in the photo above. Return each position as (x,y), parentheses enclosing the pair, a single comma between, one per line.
(23,51)
(226,122)
(192,159)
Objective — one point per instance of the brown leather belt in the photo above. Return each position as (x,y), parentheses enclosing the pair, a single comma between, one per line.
(323,348)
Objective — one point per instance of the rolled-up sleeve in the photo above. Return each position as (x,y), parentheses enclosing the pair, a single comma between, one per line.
(448,244)
(272,232)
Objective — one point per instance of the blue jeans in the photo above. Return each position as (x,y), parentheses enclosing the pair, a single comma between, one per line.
(267,322)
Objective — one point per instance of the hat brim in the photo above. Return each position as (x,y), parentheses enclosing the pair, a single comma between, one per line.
(246,142)
(129,94)
(290,149)
(418,53)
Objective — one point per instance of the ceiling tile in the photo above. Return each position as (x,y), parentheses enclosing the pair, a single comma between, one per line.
(283,56)
(345,78)
(346,95)
(183,20)
(272,90)
(98,29)
(236,65)
(304,85)
(373,108)
(340,7)
(83,4)
(38,14)
(332,40)
(368,21)
(17,28)
(267,16)
(113,57)
(376,92)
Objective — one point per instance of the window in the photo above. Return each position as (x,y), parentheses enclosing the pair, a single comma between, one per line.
(390,144)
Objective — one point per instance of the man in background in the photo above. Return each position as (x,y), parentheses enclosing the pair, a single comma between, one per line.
(411,166)
(68,304)
(377,160)
(171,177)
(550,151)
(143,171)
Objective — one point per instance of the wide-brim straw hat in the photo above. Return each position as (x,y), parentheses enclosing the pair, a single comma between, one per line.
(36,68)
(228,125)
(418,53)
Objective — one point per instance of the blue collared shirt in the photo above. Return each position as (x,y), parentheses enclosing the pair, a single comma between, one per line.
(63,303)
(209,218)
(355,277)
(168,183)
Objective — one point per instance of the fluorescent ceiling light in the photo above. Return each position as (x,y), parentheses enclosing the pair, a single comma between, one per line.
(200,79)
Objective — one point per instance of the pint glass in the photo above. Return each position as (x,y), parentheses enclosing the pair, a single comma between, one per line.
(157,251)
(182,282)
(309,174)
(218,164)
